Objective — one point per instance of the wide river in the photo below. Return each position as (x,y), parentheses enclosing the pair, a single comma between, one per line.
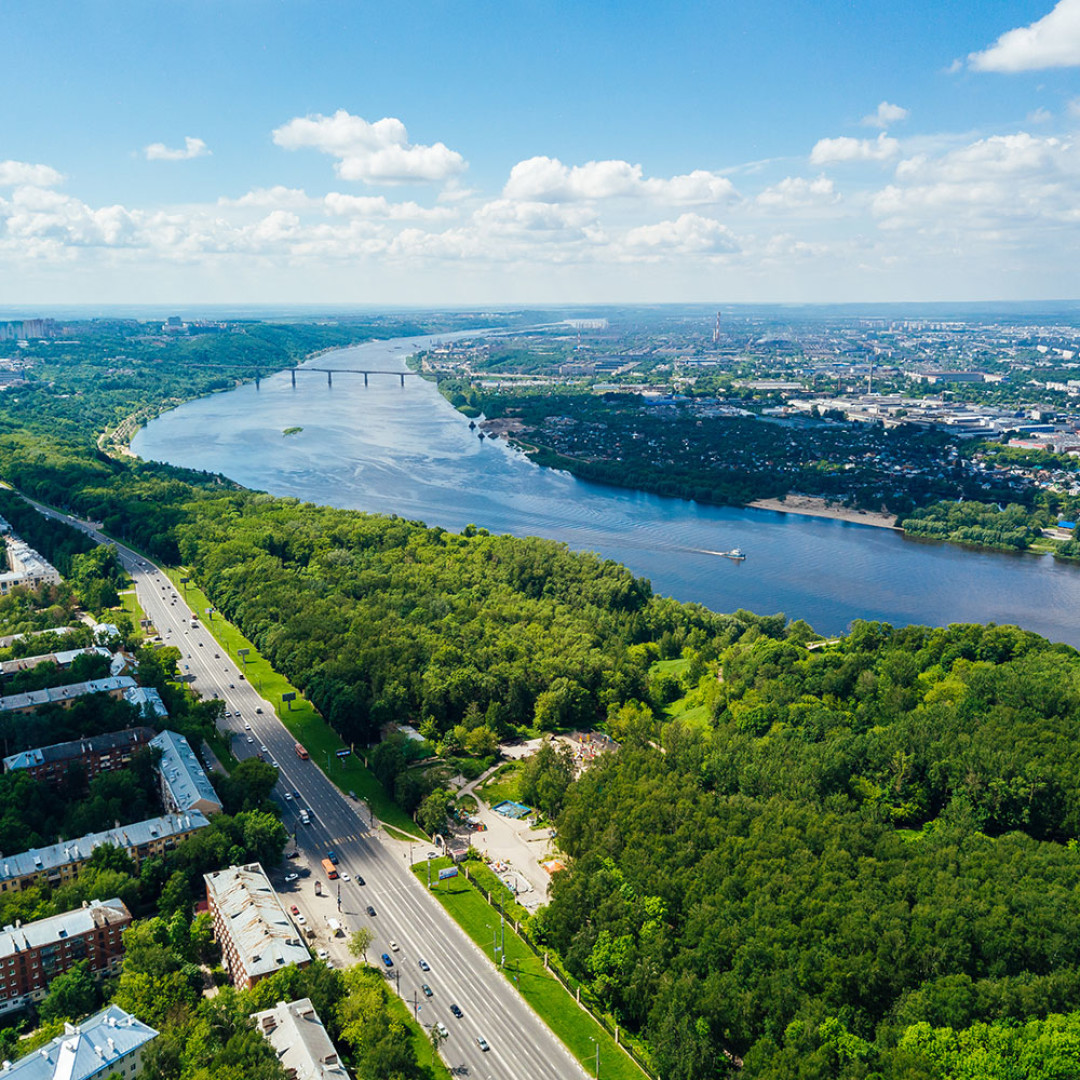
(403,450)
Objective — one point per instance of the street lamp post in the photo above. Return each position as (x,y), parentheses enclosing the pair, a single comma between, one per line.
(597,1045)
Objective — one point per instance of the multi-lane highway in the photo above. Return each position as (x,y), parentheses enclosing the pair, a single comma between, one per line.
(520,1045)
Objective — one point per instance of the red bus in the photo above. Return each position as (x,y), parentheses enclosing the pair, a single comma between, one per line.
(301,752)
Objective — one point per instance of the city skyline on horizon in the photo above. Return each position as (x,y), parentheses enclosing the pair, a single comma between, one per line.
(768,154)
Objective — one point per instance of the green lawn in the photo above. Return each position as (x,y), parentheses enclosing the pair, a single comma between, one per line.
(672,667)
(419,1038)
(299,716)
(130,604)
(551,1001)
(503,785)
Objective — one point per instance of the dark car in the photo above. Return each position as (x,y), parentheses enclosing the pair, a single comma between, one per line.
(332,856)
(456,1011)
(424,965)
(371,911)
(292,855)
(359,880)
(386,959)
(426,989)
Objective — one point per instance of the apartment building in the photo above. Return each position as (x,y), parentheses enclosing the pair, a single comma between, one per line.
(184,783)
(300,1041)
(255,933)
(114,686)
(94,754)
(108,1044)
(33,954)
(62,862)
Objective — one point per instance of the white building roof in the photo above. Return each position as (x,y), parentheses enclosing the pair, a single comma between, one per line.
(188,785)
(81,920)
(52,857)
(85,1050)
(147,695)
(264,936)
(65,693)
(63,658)
(298,1037)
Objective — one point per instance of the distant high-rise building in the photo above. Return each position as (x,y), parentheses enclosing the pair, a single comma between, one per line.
(716,330)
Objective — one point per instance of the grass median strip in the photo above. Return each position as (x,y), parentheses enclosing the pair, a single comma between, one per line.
(554,1004)
(299,716)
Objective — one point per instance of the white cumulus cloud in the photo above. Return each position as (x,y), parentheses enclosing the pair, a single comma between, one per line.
(375,153)
(545,179)
(689,234)
(845,148)
(885,115)
(1050,42)
(192,148)
(794,192)
(17,173)
(277,197)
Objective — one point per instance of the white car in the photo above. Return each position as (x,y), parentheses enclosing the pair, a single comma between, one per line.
(300,919)
(288,796)
(322,954)
(441,1028)
(393,946)
(250,740)
(342,875)
(247,726)
(292,877)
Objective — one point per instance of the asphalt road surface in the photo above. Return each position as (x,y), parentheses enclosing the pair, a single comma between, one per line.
(521,1047)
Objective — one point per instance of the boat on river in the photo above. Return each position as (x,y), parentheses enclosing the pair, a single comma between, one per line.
(734,553)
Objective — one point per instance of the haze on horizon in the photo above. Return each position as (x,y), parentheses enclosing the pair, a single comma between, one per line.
(433,153)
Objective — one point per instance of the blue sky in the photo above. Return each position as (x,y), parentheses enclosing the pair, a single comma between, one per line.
(472,153)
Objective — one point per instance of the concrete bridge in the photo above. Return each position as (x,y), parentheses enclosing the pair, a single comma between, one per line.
(328,372)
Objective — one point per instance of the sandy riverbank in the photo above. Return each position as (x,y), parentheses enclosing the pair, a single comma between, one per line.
(811,506)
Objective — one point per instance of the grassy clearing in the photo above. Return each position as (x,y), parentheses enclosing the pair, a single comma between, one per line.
(130,603)
(419,1038)
(299,716)
(547,996)
(503,785)
(672,667)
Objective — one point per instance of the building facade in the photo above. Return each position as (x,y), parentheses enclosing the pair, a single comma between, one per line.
(184,783)
(62,862)
(255,933)
(96,754)
(108,1044)
(33,954)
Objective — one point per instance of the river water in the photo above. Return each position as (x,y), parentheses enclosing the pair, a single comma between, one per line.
(403,450)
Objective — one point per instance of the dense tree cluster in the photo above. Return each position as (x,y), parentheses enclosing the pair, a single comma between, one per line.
(745,890)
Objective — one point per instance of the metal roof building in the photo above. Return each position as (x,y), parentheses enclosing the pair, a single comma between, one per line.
(255,933)
(105,1044)
(64,695)
(184,783)
(300,1041)
(63,859)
